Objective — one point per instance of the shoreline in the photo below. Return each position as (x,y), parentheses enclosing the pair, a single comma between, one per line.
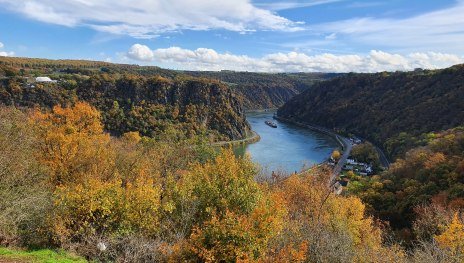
(250,139)
(337,137)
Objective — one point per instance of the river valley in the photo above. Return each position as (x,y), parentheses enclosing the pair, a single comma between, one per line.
(287,148)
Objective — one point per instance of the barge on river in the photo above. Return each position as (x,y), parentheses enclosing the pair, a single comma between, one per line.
(271,124)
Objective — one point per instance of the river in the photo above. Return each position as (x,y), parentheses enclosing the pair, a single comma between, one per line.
(287,148)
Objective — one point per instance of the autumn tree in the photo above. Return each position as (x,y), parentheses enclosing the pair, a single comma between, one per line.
(453,236)
(336,155)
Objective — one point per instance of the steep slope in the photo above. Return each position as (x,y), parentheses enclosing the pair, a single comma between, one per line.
(391,109)
(152,105)
(264,90)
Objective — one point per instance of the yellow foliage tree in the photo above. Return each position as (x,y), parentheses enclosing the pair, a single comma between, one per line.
(453,237)
(233,219)
(320,219)
(336,155)
(72,143)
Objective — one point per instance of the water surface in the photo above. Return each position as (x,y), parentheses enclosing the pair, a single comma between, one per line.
(287,148)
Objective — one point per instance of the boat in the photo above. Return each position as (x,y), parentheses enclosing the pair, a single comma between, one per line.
(271,124)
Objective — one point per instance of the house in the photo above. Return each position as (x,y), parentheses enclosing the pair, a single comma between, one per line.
(337,188)
(355,140)
(348,167)
(369,169)
(351,161)
(45,80)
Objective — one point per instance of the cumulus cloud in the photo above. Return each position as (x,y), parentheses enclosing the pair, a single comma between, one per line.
(209,59)
(5,53)
(147,18)
(140,52)
(436,30)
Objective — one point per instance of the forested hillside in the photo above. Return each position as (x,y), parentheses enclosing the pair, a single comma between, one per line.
(394,110)
(253,90)
(423,187)
(265,90)
(130,98)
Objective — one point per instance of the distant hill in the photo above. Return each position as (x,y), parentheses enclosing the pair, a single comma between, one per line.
(264,90)
(394,110)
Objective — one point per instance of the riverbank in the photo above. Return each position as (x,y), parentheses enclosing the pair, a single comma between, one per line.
(254,137)
(261,110)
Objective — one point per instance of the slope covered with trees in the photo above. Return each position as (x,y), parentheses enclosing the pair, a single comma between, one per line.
(130,98)
(433,173)
(265,90)
(393,110)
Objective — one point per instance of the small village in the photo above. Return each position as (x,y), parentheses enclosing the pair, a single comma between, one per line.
(353,166)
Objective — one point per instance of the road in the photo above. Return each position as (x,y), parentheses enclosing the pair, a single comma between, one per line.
(347,147)
(383,158)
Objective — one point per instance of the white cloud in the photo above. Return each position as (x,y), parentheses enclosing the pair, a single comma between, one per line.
(140,52)
(209,59)
(438,30)
(278,6)
(5,53)
(147,18)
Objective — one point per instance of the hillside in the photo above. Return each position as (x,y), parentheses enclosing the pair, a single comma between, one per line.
(253,90)
(428,174)
(130,98)
(264,90)
(394,110)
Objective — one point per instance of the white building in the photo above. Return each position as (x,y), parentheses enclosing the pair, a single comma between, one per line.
(44,79)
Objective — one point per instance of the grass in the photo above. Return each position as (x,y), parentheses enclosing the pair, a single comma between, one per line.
(38,256)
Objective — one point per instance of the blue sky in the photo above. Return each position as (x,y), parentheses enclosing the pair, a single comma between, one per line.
(258,35)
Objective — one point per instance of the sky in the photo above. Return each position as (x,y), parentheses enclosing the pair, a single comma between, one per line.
(241,35)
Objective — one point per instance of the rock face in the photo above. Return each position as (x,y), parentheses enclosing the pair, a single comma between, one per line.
(390,109)
(198,103)
(129,101)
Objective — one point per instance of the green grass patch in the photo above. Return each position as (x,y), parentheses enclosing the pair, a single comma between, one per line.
(38,256)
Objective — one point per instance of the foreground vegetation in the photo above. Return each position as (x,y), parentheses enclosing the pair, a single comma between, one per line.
(67,184)
(38,256)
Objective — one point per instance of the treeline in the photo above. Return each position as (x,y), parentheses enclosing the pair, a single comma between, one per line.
(66,184)
(393,110)
(151,105)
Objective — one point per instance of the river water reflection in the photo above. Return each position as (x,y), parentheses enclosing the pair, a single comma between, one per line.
(286,148)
